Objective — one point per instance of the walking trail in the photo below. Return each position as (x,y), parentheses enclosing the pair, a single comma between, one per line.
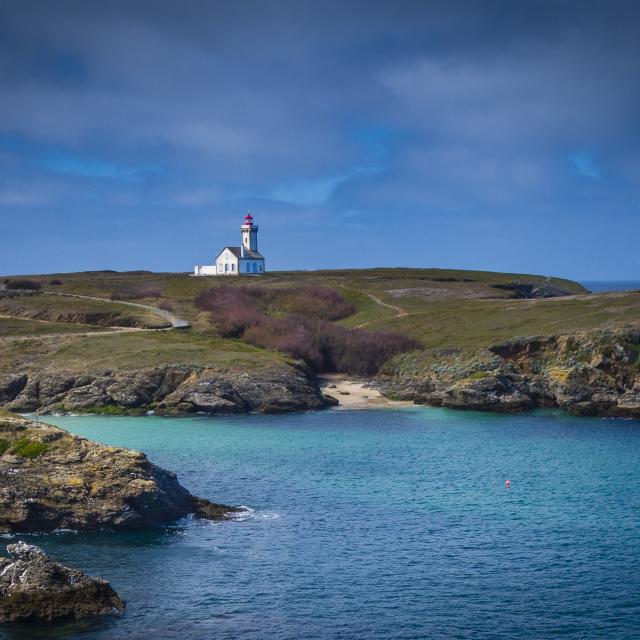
(173,320)
(399,310)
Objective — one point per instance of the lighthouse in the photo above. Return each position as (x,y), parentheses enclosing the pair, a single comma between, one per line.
(249,234)
(244,260)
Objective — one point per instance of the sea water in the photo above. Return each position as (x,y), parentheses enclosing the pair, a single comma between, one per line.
(376,524)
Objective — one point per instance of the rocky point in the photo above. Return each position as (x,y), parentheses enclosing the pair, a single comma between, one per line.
(35,587)
(50,479)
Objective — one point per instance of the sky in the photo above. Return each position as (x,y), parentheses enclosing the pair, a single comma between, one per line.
(459,134)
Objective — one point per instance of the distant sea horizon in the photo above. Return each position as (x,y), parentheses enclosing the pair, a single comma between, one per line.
(610,285)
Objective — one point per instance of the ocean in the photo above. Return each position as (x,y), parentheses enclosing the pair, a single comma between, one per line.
(375,524)
(598,286)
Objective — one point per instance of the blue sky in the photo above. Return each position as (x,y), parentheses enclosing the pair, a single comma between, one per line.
(481,135)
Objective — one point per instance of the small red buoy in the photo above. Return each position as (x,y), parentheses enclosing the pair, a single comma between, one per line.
(507,484)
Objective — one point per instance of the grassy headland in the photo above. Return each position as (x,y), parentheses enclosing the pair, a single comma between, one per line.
(447,311)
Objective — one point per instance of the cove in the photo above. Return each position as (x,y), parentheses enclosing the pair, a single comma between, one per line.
(375,524)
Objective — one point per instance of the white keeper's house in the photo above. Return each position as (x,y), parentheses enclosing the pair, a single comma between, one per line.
(244,260)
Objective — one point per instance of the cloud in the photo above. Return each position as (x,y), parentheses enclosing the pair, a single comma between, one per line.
(585,165)
(435,110)
(91,168)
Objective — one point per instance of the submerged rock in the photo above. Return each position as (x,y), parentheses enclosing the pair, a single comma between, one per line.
(50,479)
(35,587)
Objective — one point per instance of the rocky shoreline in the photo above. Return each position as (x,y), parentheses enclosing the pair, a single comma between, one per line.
(169,389)
(586,374)
(50,479)
(33,587)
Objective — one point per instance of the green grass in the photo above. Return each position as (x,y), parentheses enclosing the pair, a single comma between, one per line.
(27,448)
(454,310)
(70,310)
(25,327)
(133,351)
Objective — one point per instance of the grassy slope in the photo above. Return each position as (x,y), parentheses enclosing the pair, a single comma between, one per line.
(15,327)
(60,308)
(130,351)
(445,309)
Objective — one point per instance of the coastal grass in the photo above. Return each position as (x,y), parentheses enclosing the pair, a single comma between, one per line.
(27,448)
(137,350)
(10,327)
(63,309)
(473,324)
(448,311)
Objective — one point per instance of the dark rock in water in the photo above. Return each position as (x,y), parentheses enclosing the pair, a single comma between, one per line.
(493,393)
(35,587)
(50,479)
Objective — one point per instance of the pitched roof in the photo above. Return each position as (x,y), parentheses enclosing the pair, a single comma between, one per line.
(249,255)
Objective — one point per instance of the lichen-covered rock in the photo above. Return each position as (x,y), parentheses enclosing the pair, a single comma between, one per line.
(492,393)
(50,479)
(35,587)
(179,389)
(587,374)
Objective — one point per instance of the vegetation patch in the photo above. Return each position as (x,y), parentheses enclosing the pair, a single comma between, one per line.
(4,445)
(479,375)
(27,448)
(297,322)
(23,284)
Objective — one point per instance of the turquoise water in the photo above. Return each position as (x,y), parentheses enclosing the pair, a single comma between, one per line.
(377,524)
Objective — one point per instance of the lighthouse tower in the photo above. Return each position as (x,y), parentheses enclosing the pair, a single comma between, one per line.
(244,260)
(249,234)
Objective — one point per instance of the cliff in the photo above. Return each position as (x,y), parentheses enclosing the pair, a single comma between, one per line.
(586,373)
(168,389)
(50,479)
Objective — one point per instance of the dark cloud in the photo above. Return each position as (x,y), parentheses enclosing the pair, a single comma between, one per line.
(484,122)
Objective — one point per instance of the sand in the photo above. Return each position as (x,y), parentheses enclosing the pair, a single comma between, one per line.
(353,393)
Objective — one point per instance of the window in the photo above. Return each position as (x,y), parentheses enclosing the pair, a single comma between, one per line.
(248,268)
(226,268)
(233,267)
(255,268)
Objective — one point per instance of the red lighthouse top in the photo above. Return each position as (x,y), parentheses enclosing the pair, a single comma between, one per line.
(248,219)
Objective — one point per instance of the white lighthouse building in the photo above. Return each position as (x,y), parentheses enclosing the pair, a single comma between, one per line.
(244,260)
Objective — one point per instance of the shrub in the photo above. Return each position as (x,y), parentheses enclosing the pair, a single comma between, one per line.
(29,285)
(56,282)
(4,445)
(255,315)
(328,347)
(319,302)
(166,305)
(29,448)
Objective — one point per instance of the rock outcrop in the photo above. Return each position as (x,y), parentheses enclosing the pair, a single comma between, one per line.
(171,389)
(35,587)
(589,373)
(533,290)
(50,479)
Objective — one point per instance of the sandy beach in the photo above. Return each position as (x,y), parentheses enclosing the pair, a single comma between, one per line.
(356,394)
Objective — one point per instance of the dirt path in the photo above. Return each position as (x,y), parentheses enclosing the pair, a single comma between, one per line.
(355,394)
(399,310)
(71,334)
(174,321)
